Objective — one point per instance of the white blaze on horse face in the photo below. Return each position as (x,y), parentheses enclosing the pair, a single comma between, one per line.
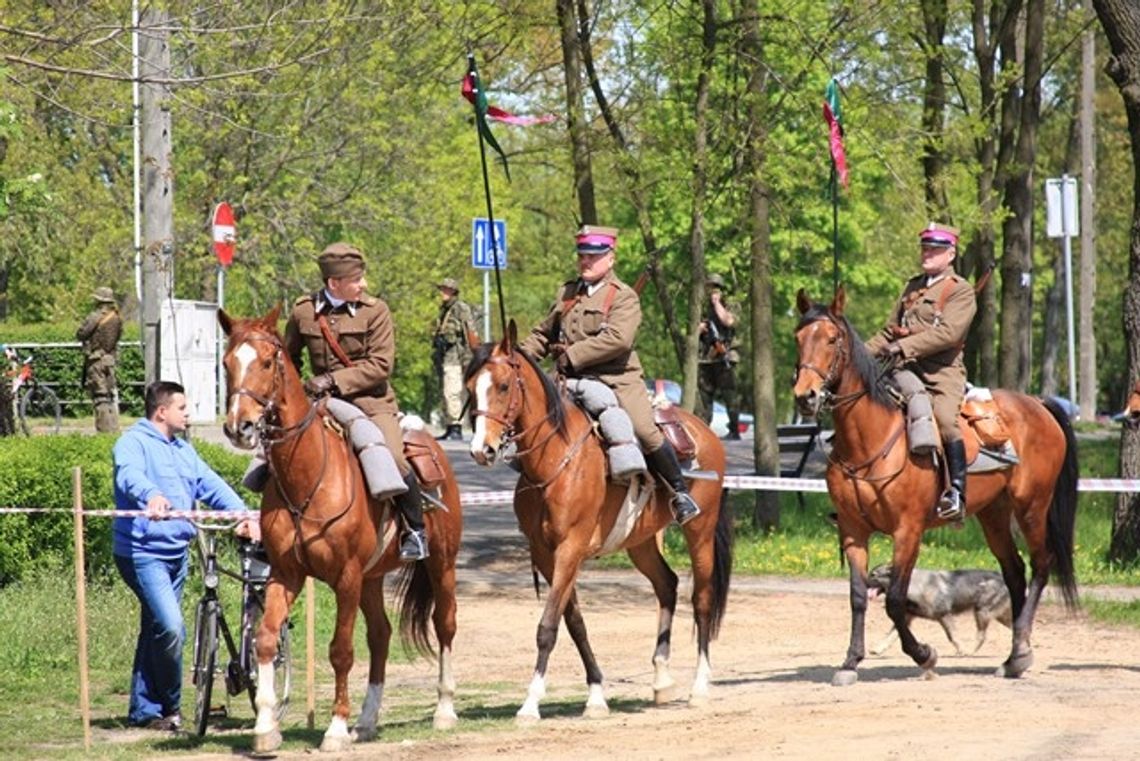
(482,387)
(245,355)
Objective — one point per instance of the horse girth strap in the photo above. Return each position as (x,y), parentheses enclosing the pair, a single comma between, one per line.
(326,331)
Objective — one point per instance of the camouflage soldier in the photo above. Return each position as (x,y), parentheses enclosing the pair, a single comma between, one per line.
(590,331)
(926,333)
(351,356)
(100,333)
(453,337)
(718,356)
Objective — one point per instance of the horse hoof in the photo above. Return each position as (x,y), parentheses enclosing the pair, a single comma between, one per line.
(663,695)
(697,700)
(267,743)
(526,719)
(596,711)
(336,744)
(928,675)
(930,662)
(1015,666)
(363,734)
(845,678)
(444,720)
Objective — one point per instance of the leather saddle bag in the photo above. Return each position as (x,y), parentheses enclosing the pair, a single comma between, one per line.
(421,454)
(669,421)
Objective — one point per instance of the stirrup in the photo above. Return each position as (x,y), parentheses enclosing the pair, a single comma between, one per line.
(414,547)
(684,508)
(951,506)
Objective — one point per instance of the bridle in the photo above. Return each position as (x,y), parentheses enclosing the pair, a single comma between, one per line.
(269,432)
(829,400)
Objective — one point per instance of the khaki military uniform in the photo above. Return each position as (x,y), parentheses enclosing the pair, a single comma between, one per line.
(367,336)
(930,323)
(453,326)
(599,344)
(717,360)
(100,334)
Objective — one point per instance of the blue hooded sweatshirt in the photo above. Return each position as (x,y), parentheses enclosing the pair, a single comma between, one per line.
(147,463)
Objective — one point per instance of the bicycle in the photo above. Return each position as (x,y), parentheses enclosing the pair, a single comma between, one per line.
(240,672)
(32,400)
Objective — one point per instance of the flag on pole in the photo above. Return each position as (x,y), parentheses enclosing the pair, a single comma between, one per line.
(834,117)
(473,91)
(498,114)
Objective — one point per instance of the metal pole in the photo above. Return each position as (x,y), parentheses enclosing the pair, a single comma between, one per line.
(486,305)
(220,341)
(135,111)
(1066,236)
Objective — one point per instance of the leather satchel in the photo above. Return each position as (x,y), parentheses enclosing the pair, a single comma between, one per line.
(669,421)
(421,455)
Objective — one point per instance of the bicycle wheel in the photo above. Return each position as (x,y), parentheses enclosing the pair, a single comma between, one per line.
(40,403)
(205,657)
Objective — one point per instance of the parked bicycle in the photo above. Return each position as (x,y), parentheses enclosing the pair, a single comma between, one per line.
(210,626)
(35,403)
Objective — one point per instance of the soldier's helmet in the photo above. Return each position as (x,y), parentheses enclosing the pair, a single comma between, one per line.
(715,280)
(448,282)
(103,295)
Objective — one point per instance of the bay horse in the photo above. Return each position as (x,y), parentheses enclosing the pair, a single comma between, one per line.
(569,512)
(877,485)
(318,519)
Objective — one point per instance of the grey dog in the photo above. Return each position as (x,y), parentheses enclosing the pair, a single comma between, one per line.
(937,595)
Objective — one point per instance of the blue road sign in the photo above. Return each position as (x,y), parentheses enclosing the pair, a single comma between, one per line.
(481,243)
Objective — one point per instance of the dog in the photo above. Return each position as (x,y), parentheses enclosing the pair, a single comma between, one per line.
(937,595)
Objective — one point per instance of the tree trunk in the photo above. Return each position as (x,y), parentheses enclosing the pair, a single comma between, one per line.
(934,108)
(157,186)
(1054,329)
(1017,238)
(697,215)
(1088,385)
(765,447)
(575,112)
(1121,22)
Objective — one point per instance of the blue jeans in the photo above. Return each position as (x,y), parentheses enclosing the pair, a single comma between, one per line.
(156,677)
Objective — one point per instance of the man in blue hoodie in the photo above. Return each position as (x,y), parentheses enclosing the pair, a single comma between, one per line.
(157,472)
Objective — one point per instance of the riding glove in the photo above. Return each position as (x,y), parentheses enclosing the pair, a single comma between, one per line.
(320,385)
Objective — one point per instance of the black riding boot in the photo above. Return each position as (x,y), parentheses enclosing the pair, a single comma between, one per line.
(952,505)
(664,462)
(414,545)
(455,432)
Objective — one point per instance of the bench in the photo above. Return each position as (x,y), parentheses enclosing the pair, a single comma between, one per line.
(798,440)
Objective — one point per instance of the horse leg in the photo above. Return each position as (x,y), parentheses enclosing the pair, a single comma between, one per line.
(379,635)
(902,565)
(559,569)
(855,550)
(337,737)
(278,600)
(596,706)
(1022,601)
(647,558)
(443,619)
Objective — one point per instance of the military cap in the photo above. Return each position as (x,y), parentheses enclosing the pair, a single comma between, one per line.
(716,280)
(103,295)
(448,282)
(593,239)
(340,260)
(937,235)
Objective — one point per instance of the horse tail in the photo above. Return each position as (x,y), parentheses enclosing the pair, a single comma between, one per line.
(416,606)
(1063,512)
(722,563)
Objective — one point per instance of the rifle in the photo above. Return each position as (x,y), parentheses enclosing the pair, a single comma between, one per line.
(438,349)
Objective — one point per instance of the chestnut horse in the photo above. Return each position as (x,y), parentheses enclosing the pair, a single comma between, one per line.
(878,486)
(570,512)
(317,519)
(1132,407)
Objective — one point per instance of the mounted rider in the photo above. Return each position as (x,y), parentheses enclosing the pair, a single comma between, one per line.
(926,335)
(590,332)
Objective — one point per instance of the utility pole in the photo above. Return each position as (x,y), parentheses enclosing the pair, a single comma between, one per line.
(157,186)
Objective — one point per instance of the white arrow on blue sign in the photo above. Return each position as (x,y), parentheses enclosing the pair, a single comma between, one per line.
(481,243)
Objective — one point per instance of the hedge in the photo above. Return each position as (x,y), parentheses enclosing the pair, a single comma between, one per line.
(36,472)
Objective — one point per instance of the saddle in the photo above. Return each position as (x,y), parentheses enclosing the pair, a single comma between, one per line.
(983,427)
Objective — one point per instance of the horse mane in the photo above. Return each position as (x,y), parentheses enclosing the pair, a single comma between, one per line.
(866,366)
(555,412)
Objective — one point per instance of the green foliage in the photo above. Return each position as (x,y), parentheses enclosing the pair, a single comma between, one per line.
(37,474)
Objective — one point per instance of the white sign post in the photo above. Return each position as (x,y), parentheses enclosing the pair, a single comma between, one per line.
(482,258)
(1061,222)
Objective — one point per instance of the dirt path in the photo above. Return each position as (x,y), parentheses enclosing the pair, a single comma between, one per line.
(771,694)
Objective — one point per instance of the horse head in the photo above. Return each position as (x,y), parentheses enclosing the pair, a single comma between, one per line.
(1132,409)
(497,380)
(823,345)
(255,365)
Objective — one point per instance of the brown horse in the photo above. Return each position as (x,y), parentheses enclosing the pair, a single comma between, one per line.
(317,519)
(570,512)
(1132,407)
(878,486)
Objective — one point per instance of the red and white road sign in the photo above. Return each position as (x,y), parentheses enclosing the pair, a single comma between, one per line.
(225,234)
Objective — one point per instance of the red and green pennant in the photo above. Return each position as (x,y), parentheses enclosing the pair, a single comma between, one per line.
(834,117)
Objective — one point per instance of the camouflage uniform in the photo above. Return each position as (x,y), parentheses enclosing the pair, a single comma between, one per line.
(100,334)
(452,334)
(717,360)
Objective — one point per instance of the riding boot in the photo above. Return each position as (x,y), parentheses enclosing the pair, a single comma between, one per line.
(952,505)
(733,427)
(664,462)
(454,432)
(414,544)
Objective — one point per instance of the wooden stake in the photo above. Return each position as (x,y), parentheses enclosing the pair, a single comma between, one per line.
(81,605)
(310,652)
